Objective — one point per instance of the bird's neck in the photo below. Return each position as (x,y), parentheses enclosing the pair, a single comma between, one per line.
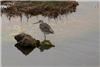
(41,22)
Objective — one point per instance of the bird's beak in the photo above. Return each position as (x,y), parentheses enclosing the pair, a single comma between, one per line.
(35,22)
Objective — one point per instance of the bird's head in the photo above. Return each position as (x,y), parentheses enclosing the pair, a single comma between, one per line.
(40,21)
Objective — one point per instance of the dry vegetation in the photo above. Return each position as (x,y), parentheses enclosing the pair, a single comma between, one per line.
(32,8)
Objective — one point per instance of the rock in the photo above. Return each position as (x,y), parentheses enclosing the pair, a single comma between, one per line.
(26,40)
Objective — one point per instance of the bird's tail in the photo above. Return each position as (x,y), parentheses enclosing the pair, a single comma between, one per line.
(51,31)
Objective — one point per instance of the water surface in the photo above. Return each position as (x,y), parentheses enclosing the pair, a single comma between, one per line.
(76,39)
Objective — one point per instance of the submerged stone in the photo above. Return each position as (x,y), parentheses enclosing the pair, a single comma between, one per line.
(45,45)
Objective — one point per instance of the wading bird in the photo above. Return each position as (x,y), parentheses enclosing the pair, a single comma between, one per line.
(45,28)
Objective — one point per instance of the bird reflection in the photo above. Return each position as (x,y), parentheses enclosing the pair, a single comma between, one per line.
(45,45)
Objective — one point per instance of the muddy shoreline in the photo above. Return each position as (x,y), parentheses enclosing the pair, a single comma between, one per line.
(51,9)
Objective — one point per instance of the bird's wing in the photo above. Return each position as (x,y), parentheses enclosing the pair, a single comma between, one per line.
(46,27)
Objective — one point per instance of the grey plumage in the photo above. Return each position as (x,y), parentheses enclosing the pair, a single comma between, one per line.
(45,28)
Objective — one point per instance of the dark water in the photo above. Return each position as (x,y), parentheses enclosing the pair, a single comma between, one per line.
(76,39)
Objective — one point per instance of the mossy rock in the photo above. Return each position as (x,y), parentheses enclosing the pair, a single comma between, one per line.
(26,40)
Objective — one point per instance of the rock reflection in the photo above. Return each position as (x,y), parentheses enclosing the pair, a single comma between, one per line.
(24,50)
(45,45)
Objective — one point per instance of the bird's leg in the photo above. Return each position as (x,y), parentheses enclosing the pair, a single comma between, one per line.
(44,37)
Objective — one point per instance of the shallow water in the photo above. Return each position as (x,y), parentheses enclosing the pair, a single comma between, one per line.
(76,39)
